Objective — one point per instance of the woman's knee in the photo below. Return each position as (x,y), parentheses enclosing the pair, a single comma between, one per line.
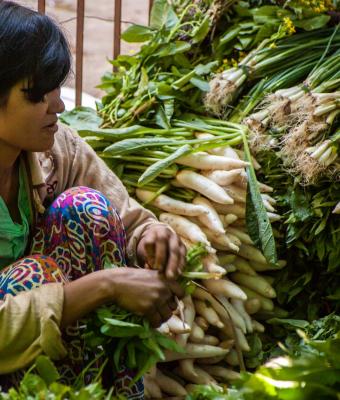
(29,273)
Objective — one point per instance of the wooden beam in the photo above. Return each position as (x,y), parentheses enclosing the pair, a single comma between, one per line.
(79,49)
(42,6)
(117,18)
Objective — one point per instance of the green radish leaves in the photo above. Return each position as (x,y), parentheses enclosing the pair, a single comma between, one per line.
(155,169)
(258,223)
(137,34)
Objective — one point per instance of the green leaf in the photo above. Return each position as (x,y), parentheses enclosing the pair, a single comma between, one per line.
(200,84)
(257,220)
(128,145)
(203,30)
(46,369)
(312,23)
(295,323)
(159,13)
(172,48)
(155,169)
(81,118)
(137,34)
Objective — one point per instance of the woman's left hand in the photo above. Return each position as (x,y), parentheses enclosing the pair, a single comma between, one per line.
(160,248)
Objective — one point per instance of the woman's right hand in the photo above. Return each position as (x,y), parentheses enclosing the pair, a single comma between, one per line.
(144,292)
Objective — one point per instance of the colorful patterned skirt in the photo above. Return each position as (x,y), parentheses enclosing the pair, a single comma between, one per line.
(79,233)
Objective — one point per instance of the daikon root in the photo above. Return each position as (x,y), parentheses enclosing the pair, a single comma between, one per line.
(169,385)
(211,218)
(221,372)
(256,283)
(223,177)
(208,313)
(204,186)
(201,160)
(225,288)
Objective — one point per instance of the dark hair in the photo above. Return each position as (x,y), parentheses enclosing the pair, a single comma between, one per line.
(32,47)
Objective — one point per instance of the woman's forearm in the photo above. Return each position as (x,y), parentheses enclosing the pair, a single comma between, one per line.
(84,295)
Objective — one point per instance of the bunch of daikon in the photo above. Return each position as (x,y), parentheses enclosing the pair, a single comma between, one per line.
(212,322)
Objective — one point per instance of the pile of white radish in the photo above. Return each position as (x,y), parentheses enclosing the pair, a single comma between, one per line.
(221,312)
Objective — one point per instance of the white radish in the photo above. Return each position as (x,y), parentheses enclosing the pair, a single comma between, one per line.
(202,323)
(236,209)
(225,258)
(210,360)
(177,326)
(225,288)
(227,344)
(169,385)
(241,154)
(252,306)
(265,188)
(202,160)
(203,185)
(234,315)
(221,372)
(251,253)
(195,374)
(228,219)
(184,227)
(257,266)
(210,264)
(232,358)
(244,237)
(273,217)
(211,218)
(210,339)
(196,334)
(196,350)
(220,241)
(222,177)
(266,304)
(239,307)
(208,313)
(237,194)
(189,317)
(257,326)
(164,328)
(152,388)
(256,283)
(242,265)
(170,205)
(187,371)
(336,209)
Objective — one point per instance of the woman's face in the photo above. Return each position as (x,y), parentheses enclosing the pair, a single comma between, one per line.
(29,126)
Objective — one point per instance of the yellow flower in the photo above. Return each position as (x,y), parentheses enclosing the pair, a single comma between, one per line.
(288,25)
(234,62)
(272,46)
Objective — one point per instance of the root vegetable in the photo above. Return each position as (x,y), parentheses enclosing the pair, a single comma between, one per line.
(227,344)
(237,194)
(223,242)
(164,328)
(170,205)
(204,186)
(226,258)
(185,228)
(195,350)
(257,266)
(223,178)
(210,219)
(256,283)
(257,326)
(242,340)
(208,313)
(202,323)
(225,288)
(209,339)
(201,160)
(196,334)
(232,358)
(152,388)
(221,372)
(244,266)
(228,219)
(169,385)
(244,237)
(210,360)
(251,253)
(239,307)
(252,306)
(266,304)
(189,317)
(177,326)
(236,209)
(210,265)
(234,315)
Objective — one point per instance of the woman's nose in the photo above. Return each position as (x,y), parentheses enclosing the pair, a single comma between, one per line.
(55,103)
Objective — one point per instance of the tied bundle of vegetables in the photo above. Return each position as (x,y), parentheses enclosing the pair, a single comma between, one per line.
(270,57)
(299,119)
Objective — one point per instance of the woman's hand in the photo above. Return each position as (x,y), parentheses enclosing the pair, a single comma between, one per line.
(160,248)
(145,292)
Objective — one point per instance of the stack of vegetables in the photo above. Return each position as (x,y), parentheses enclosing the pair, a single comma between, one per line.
(214,79)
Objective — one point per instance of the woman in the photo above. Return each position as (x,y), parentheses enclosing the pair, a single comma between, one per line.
(64,216)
